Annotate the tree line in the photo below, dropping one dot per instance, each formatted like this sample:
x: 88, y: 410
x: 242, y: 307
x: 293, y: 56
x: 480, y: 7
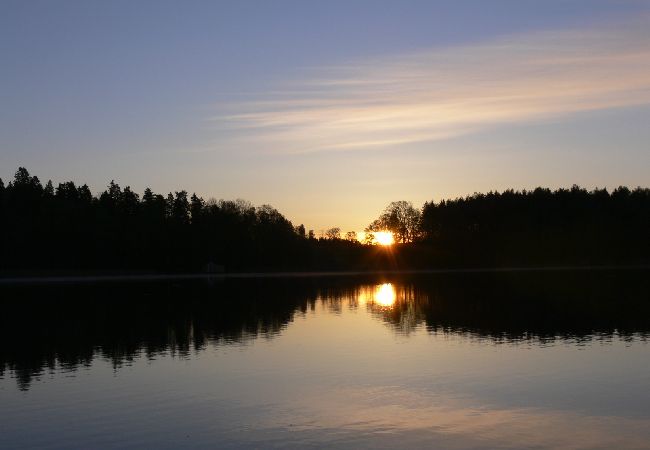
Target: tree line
x: 564, y: 226
x: 47, y: 228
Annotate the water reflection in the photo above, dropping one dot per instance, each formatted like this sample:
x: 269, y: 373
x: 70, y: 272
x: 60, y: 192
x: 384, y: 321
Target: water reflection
x: 384, y: 296
x: 48, y: 328
x: 456, y: 361
x: 399, y: 305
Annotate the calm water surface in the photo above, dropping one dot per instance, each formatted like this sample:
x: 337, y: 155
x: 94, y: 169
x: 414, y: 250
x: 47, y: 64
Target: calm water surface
x: 480, y: 361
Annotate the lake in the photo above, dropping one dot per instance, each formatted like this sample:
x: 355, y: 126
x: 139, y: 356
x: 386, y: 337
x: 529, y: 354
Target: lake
x: 557, y: 359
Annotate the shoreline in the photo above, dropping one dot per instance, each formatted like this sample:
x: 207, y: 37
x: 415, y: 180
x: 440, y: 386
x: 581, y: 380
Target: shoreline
x: 99, y: 278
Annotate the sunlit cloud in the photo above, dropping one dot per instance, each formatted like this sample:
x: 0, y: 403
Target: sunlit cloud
x: 443, y: 93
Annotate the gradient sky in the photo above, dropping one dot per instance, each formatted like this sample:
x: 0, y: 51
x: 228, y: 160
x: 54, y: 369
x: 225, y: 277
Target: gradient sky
x: 327, y: 110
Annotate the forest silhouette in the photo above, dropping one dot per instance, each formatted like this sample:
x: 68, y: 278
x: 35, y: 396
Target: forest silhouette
x: 66, y: 229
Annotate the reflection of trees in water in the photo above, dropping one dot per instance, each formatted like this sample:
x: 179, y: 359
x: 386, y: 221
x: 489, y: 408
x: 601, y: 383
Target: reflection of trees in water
x: 64, y: 327
x: 540, y: 307
x: 49, y: 328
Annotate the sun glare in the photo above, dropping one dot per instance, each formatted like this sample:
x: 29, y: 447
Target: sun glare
x: 385, y: 295
x: 384, y: 238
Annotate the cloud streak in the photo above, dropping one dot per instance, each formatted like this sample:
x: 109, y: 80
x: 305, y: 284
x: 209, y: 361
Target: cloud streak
x: 443, y: 93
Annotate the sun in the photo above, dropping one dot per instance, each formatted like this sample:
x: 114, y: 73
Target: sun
x: 384, y: 238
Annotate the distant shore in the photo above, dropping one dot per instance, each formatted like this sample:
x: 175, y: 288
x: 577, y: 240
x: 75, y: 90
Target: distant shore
x: 126, y: 277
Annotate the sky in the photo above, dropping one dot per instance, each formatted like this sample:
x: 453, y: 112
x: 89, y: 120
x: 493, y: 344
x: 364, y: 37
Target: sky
x: 330, y: 110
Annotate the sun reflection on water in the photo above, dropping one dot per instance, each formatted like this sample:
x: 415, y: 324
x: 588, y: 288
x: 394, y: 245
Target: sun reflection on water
x: 396, y: 304
x: 385, y: 295
x: 382, y: 296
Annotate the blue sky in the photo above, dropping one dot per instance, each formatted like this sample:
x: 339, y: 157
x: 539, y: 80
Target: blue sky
x: 327, y: 110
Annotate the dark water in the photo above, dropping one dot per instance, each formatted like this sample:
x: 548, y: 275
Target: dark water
x: 509, y: 360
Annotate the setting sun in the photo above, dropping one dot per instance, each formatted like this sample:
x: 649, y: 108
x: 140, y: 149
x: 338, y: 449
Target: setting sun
x: 384, y: 238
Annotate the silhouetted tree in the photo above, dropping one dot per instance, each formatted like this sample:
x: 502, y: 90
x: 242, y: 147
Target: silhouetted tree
x: 153, y: 206
x: 48, y: 191
x: 400, y: 218
x: 196, y: 208
x: 300, y: 230
x: 333, y: 233
x: 180, y: 208
x: 351, y: 236
x: 129, y: 202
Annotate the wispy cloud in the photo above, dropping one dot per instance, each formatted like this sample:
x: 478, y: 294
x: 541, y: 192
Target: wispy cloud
x: 443, y: 93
